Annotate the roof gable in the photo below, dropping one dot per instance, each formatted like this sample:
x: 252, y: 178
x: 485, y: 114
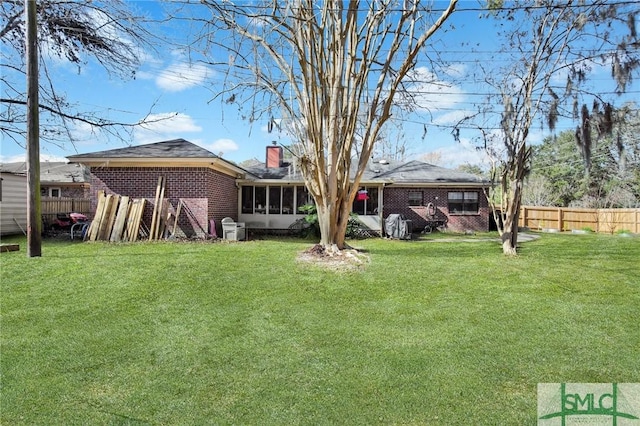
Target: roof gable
x: 176, y: 148
x: 172, y: 153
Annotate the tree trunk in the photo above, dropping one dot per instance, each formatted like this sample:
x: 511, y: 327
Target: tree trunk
x: 512, y: 181
x: 507, y: 235
x: 332, y: 220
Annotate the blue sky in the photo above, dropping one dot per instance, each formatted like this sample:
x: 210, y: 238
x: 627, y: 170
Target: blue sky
x: 168, y: 86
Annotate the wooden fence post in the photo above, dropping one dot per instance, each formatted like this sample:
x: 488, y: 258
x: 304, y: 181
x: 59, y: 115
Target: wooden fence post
x: 560, y: 225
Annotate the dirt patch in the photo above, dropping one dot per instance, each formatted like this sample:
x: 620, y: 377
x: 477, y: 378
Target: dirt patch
x: 342, y: 260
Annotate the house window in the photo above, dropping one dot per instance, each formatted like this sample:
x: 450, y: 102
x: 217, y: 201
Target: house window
x: 415, y: 198
x: 50, y: 192
x: 366, y: 201
x: 463, y: 202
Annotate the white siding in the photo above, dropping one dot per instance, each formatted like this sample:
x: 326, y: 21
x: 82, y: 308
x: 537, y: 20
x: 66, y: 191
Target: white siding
x: 13, y: 206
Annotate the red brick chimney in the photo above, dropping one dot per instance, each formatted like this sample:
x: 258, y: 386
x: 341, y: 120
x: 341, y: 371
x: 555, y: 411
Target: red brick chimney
x: 274, y: 156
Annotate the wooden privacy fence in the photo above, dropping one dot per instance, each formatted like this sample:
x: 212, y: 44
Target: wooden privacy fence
x: 65, y: 205
x: 568, y: 219
x: 51, y: 207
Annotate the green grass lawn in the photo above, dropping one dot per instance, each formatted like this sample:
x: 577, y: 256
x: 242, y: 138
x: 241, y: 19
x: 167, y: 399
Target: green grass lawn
x: 242, y: 333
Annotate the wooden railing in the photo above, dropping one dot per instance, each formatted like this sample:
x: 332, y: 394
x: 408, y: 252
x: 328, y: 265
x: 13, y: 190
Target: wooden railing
x: 567, y: 219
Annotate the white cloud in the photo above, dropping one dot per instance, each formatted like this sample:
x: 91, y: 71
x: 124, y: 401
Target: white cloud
x: 165, y: 126
x: 456, y: 70
x: 18, y: 158
x: 221, y: 146
x: 455, y: 156
x: 536, y: 137
x: 452, y: 117
x: 13, y: 158
x: 181, y: 76
x: 53, y: 158
x: 464, y: 152
x: 428, y: 93
x: 84, y: 134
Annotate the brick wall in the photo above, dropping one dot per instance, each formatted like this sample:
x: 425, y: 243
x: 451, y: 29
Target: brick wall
x: 396, y: 200
x: 206, y: 193
x: 223, y: 199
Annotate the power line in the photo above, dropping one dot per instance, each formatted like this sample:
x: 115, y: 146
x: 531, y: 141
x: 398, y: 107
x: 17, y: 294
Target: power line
x: 560, y: 5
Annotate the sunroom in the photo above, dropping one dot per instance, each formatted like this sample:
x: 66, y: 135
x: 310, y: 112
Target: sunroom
x: 276, y: 205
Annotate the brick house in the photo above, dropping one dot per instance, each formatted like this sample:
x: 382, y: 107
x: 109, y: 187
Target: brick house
x: 267, y: 195
x: 204, y: 182
x: 387, y: 187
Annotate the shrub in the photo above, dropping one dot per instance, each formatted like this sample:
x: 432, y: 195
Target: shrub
x: 309, y: 225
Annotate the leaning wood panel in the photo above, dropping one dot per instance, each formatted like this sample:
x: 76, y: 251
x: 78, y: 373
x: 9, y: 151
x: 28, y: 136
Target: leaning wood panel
x: 177, y: 215
x: 165, y: 214
x: 133, y: 212
x: 121, y: 216
x: 156, y: 207
x: 97, y: 218
x: 111, y: 204
x: 135, y: 217
x: 115, y: 201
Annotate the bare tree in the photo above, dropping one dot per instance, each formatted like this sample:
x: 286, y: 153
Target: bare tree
x: 551, y: 47
x: 323, y: 65
x: 434, y: 157
x: 537, y: 191
x: 108, y: 31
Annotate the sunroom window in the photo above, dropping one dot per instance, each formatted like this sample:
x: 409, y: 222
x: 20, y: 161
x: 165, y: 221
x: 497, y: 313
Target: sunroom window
x: 366, y: 201
x: 273, y: 199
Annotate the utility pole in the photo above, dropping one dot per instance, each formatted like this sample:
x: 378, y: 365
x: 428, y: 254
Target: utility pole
x: 34, y: 209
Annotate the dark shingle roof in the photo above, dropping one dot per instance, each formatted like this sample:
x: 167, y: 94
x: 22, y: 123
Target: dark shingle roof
x: 417, y: 172
x: 381, y: 171
x: 287, y: 173
x: 176, y: 148
x: 52, y: 171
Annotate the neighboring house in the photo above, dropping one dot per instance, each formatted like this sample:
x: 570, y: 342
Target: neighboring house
x: 267, y: 195
x: 57, y: 179
x: 13, y: 203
